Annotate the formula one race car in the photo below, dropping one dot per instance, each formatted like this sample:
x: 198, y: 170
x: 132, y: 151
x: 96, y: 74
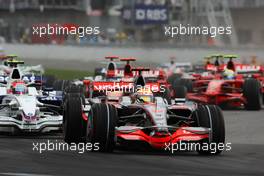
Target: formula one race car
x: 29, y: 74
x: 140, y: 118
x: 229, y: 93
x: 24, y: 108
x: 114, y: 73
x: 111, y: 66
x: 227, y: 84
x: 26, y: 73
x: 124, y: 78
x: 11, y: 61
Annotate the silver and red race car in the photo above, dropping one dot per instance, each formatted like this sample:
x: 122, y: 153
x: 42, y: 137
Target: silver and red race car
x: 131, y: 119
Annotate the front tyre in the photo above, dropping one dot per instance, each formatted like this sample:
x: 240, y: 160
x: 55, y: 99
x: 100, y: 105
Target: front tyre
x: 180, y: 92
x: 210, y: 116
x: 73, y: 124
x: 101, y: 127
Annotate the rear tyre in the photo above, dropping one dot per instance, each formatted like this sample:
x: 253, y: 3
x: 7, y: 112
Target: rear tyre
x: 184, y: 82
x: 74, y: 90
x: 180, y: 91
x: 58, y: 84
x: 61, y: 85
x: 101, y: 127
x: 210, y: 116
x: 73, y: 124
x: 252, y: 93
x: 173, y: 77
x: 166, y: 95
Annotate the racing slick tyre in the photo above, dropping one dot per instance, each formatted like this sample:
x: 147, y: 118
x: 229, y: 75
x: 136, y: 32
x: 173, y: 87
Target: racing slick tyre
x: 74, y: 90
x: 252, y: 93
x: 73, y: 124
x: 173, y: 77
x: 58, y: 84
x: 210, y: 116
x: 184, y: 82
x: 61, y: 85
x: 67, y: 83
x: 101, y: 127
x: 166, y: 95
x: 180, y: 91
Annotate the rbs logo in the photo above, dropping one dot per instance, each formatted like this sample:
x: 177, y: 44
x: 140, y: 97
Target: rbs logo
x: 146, y: 14
x: 151, y: 14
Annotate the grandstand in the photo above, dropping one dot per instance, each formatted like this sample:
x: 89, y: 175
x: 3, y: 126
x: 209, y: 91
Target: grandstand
x: 18, y: 16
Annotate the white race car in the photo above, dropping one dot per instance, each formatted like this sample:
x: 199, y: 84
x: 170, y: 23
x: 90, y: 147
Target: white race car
x: 22, y: 108
x: 9, y: 62
x: 25, y: 108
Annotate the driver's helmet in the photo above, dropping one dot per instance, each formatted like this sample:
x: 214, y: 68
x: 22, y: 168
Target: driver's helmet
x: 19, y: 88
x: 145, y: 95
x: 229, y: 74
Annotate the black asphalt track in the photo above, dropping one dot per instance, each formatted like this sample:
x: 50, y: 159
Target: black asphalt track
x: 244, y: 129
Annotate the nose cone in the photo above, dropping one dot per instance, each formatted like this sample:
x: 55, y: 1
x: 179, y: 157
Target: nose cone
x: 28, y: 105
x: 158, y: 114
x: 214, y: 87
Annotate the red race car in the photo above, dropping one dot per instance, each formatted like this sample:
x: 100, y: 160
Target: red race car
x: 229, y: 93
x: 124, y: 78
x: 227, y: 84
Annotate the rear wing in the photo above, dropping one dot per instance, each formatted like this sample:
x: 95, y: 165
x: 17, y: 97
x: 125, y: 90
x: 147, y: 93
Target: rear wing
x: 128, y: 60
x: 11, y: 57
x: 112, y: 58
x: 230, y: 56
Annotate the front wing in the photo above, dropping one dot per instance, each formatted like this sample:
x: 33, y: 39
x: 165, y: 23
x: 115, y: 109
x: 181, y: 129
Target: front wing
x: 53, y: 122
x: 161, y: 140
x: 230, y: 99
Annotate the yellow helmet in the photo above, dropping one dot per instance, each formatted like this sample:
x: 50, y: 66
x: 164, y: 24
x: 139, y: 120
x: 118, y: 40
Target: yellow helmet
x: 145, y: 95
x: 229, y: 74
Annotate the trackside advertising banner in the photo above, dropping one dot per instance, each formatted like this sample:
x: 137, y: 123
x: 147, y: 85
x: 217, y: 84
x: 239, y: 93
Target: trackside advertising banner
x: 146, y: 14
